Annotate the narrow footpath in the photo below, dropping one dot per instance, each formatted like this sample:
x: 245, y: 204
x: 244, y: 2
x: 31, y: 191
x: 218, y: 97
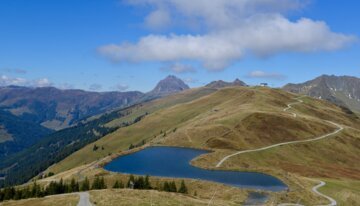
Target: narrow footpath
x: 314, y: 189
x: 84, y: 199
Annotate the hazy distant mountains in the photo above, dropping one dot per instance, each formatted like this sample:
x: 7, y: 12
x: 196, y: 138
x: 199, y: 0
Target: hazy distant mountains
x: 28, y: 114
x: 56, y: 109
x: 341, y: 90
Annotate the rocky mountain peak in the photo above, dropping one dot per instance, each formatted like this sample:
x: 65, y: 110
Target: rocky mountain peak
x: 170, y: 85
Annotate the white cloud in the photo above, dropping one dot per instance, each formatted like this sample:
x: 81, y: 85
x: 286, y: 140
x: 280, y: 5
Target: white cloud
x: 234, y: 29
x: 44, y: 82
x: 190, y: 80
x: 158, y: 19
x: 95, y: 87
x: 179, y: 68
x: 265, y: 75
x: 121, y: 87
x: 16, y: 81
x: 217, y: 13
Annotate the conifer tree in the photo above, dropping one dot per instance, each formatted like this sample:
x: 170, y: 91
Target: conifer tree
x: 116, y: 185
x: 166, y: 187
x: 147, y: 183
x: 172, y: 187
x: 183, y: 188
x: 96, y: 184
x: 85, y: 186
x: 102, y: 184
x: 74, y: 186
x: 18, y: 194
x: 139, y: 183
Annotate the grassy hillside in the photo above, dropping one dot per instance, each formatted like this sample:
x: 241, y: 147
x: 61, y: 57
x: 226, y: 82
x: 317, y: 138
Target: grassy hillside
x: 131, y: 197
x: 68, y: 200
x: 232, y: 118
x: 239, y: 118
x: 135, y: 133
x: 345, y: 191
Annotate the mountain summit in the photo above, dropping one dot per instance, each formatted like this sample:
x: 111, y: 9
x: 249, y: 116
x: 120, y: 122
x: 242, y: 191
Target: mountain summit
x: 341, y: 90
x: 170, y: 85
x: 220, y: 84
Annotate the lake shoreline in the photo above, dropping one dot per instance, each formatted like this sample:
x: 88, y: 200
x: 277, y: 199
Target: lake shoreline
x: 210, y: 172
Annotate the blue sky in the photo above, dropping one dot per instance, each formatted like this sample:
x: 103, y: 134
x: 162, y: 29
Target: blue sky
x: 92, y: 44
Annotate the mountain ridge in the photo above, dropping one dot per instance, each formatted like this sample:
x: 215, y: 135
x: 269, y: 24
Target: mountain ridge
x: 221, y: 84
x: 340, y: 90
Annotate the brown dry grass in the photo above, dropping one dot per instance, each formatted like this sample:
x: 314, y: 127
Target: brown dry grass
x: 59, y: 200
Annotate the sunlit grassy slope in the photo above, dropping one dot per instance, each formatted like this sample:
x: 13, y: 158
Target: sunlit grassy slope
x: 229, y: 119
x: 345, y: 191
x: 59, y: 200
x: 239, y: 118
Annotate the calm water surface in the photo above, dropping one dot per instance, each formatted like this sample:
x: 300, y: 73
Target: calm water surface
x: 175, y: 162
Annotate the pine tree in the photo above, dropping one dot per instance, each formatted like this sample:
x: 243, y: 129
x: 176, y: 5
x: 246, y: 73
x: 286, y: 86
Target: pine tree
x: 26, y: 193
x: 1, y: 195
x: 139, y: 183
x: 36, y: 190
x: 102, y: 184
x: 116, y: 185
x: 183, y: 188
x: 96, y: 184
x: 173, y: 187
x: 166, y: 187
x: 85, y: 185
x: 147, y: 183
x: 18, y: 194
x: 131, y: 146
x: 9, y: 193
x: 61, y: 188
x: 74, y: 186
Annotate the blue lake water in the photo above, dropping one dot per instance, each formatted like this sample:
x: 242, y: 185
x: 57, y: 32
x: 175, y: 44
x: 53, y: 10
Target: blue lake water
x: 175, y: 162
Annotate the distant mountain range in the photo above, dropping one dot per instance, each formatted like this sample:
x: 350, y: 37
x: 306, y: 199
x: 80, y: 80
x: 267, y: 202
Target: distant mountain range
x: 57, y: 109
x: 341, y: 90
x: 28, y: 114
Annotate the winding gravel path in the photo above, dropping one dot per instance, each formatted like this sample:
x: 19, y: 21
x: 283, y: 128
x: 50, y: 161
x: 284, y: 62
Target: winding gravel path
x: 314, y: 189
x: 84, y: 199
x: 339, y: 129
